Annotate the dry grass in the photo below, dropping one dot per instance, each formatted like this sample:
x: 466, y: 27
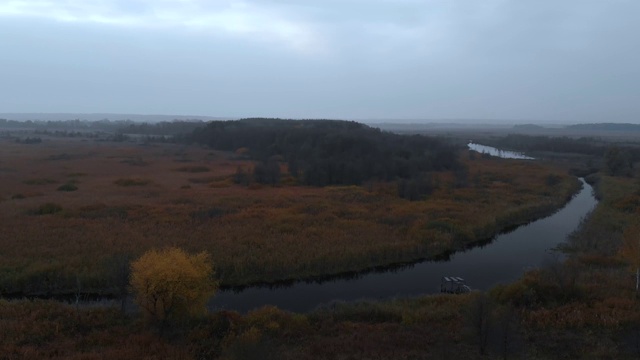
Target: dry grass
x: 582, y: 309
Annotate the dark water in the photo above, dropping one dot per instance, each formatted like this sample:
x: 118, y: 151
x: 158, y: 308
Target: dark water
x: 497, y: 152
x: 501, y: 261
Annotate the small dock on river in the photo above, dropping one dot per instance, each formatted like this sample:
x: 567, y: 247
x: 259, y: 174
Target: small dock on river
x: 453, y: 285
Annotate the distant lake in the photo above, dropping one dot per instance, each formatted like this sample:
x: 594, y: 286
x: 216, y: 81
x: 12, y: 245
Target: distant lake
x: 497, y: 152
x: 502, y: 260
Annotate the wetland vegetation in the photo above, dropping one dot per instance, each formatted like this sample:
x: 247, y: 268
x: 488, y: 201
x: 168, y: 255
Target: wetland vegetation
x: 251, y: 204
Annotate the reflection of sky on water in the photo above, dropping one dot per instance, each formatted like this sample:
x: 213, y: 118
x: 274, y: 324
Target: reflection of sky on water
x: 502, y: 261
x: 497, y: 152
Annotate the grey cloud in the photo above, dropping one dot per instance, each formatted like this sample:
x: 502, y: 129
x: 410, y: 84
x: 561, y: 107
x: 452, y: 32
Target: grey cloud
x: 548, y: 60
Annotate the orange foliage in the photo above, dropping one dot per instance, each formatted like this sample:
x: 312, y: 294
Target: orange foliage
x: 171, y: 284
x: 49, y: 330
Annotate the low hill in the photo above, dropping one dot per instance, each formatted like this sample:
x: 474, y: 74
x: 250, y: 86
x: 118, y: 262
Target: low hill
x: 328, y: 152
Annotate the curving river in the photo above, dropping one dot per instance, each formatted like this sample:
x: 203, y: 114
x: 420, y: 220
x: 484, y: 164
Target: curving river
x: 502, y: 260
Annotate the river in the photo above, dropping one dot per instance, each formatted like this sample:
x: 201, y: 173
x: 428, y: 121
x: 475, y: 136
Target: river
x: 497, y: 152
x: 502, y: 260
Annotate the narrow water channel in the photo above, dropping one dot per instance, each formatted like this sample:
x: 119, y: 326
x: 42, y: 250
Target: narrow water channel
x: 483, y: 149
x: 503, y: 260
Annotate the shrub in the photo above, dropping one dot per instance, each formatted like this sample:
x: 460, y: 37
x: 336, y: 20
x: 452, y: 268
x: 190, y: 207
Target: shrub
x: 68, y: 187
x: 63, y: 156
x: 553, y: 180
x: 135, y: 162
x: 100, y: 211
x: 42, y: 181
x: 132, y: 182
x: 221, y: 184
x: 369, y: 312
x: 211, y: 213
x: 171, y: 284
x: 193, y: 169
x: 46, y: 209
x: 203, y: 180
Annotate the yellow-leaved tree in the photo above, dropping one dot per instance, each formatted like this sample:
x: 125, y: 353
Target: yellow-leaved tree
x: 630, y: 250
x: 170, y: 284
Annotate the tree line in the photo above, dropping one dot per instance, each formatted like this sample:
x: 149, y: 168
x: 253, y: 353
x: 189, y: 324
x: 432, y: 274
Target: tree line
x: 528, y: 143
x: 618, y: 159
x: 329, y: 152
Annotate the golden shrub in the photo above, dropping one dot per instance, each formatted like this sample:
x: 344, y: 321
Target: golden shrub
x: 170, y: 284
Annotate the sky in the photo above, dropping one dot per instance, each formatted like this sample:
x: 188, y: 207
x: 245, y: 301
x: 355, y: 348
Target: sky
x: 517, y: 60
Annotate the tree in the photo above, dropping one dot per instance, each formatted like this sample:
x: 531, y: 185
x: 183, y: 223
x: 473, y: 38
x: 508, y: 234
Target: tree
x: 241, y: 177
x: 267, y: 172
x: 121, y: 272
x: 618, y: 161
x: 170, y: 284
x: 480, y: 318
x: 630, y: 250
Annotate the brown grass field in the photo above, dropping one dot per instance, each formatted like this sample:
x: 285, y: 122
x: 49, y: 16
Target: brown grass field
x: 130, y: 198
x: 585, y: 307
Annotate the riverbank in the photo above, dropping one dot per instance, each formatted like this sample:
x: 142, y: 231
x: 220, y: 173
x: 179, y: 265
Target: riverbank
x: 502, y: 260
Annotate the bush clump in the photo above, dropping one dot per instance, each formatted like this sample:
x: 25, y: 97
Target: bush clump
x: 171, y: 284
x: 40, y: 181
x: 135, y: 162
x: 46, y: 209
x: 67, y: 187
x: 193, y: 169
x: 132, y: 182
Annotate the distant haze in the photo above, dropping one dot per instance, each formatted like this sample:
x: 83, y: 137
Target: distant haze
x: 570, y: 61
x: 104, y: 116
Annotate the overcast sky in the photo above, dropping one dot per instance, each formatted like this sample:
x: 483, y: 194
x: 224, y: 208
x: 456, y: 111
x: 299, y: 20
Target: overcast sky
x: 545, y: 60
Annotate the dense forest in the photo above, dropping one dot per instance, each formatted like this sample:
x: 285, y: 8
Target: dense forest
x: 329, y: 152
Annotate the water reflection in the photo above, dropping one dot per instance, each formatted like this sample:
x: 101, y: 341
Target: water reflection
x: 501, y: 261
x: 497, y: 152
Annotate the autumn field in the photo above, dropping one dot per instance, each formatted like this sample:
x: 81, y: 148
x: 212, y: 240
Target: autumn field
x: 583, y: 308
x: 75, y: 212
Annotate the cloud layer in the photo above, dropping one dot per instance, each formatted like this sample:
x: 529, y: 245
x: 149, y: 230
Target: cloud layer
x: 222, y: 18
x: 547, y: 60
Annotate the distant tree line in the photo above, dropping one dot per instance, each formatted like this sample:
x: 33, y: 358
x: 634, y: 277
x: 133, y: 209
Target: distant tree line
x: 69, y: 133
x: 605, y: 127
x: 175, y: 127
x: 162, y: 128
x: 76, y: 124
x: 331, y: 152
x: 107, y: 130
x: 29, y: 140
x: 618, y: 160
x: 528, y: 143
